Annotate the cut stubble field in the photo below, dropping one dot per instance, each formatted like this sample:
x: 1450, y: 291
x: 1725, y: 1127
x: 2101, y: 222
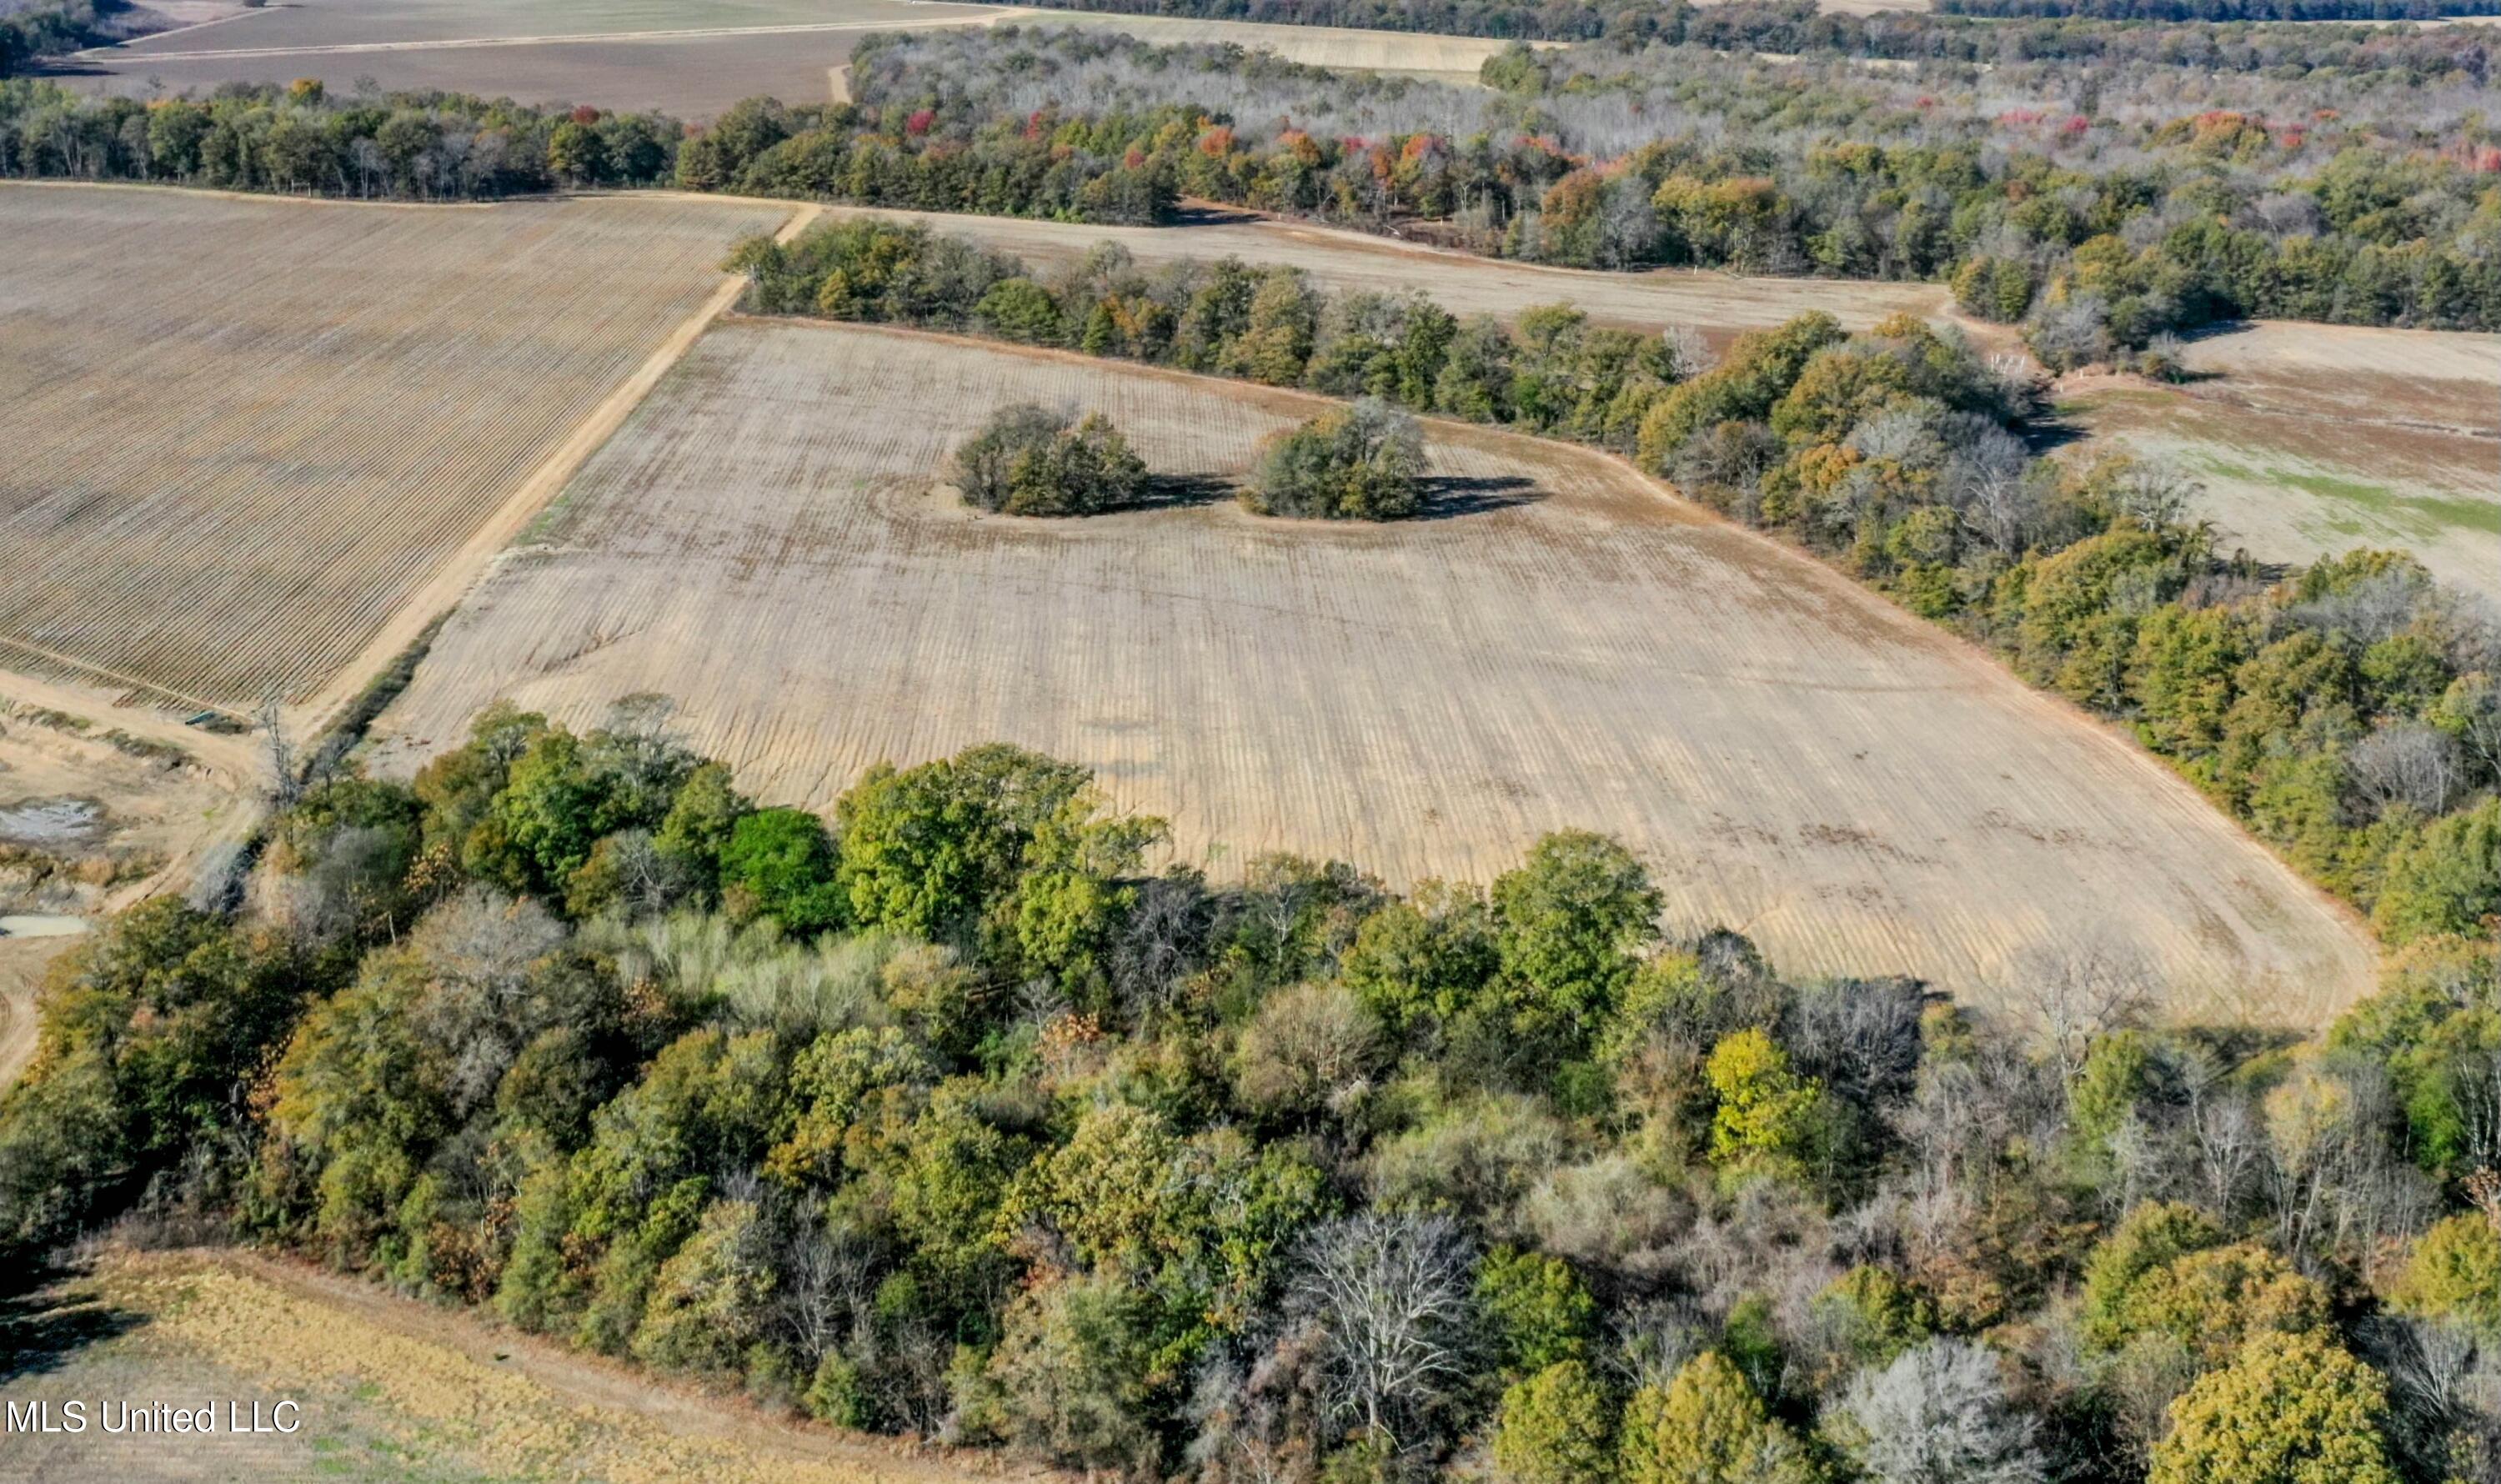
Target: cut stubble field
x: 2310, y: 439
x: 243, y: 435
x: 689, y: 59
x: 1560, y: 642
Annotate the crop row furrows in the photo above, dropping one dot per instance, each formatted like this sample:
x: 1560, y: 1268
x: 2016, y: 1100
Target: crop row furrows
x: 246, y: 434
x: 1798, y: 759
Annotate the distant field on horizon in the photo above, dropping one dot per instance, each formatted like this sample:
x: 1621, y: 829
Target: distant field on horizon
x: 1566, y: 646
x: 688, y: 59
x: 2316, y: 438
x: 242, y: 434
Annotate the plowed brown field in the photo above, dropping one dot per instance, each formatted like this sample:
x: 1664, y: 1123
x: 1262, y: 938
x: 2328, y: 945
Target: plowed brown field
x: 242, y: 434
x: 1561, y: 642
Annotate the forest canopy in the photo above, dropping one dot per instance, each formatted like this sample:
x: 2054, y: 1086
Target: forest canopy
x: 952, y: 1114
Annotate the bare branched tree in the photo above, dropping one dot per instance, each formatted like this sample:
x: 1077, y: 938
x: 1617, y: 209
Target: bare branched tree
x: 285, y: 783
x: 1939, y: 1415
x: 2410, y: 764
x: 1389, y: 1298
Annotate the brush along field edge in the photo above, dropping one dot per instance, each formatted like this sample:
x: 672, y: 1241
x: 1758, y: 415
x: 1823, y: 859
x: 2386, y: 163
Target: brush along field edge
x: 1567, y: 645
x: 455, y: 578
x: 381, y: 1381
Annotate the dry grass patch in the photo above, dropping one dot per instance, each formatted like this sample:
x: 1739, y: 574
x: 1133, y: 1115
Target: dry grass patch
x: 390, y: 1389
x: 242, y: 434
x: 1560, y: 644
x: 1720, y: 304
x: 2313, y: 439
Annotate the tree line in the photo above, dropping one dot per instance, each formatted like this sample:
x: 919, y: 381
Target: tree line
x: 2347, y: 713
x: 2226, y: 10
x: 946, y: 1114
x: 2096, y: 232
x: 302, y: 139
x: 31, y: 32
x: 2229, y: 40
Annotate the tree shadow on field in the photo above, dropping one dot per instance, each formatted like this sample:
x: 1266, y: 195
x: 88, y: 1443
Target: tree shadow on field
x: 1183, y: 491
x: 48, y: 1315
x: 1447, y: 497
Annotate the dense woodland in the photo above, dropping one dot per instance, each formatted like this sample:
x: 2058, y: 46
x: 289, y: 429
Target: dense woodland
x: 1591, y: 19
x: 301, y: 139
x: 2347, y: 713
x: 948, y: 1116
x: 2100, y: 221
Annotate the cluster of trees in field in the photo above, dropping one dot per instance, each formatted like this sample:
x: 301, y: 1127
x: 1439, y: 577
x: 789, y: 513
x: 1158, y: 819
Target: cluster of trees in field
x: 947, y: 1116
x: 2348, y: 714
x: 1363, y: 463
x: 302, y: 139
x: 1033, y: 460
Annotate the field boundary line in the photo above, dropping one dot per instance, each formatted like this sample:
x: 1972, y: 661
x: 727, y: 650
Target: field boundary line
x: 454, y: 577
x: 289, y: 198
x: 196, y: 25
x: 89, y: 667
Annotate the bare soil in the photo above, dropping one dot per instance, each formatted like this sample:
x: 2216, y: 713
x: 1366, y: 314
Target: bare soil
x: 1560, y: 642
x: 693, y: 60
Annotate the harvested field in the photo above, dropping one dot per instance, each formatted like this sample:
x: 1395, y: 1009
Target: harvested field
x: 388, y: 1389
x: 2308, y: 438
x: 2312, y: 438
x: 693, y: 60
x: 1719, y: 303
x: 320, y: 24
x: 1560, y: 643
x: 690, y: 77
x: 1445, y: 58
x: 244, y: 438
x: 690, y: 61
